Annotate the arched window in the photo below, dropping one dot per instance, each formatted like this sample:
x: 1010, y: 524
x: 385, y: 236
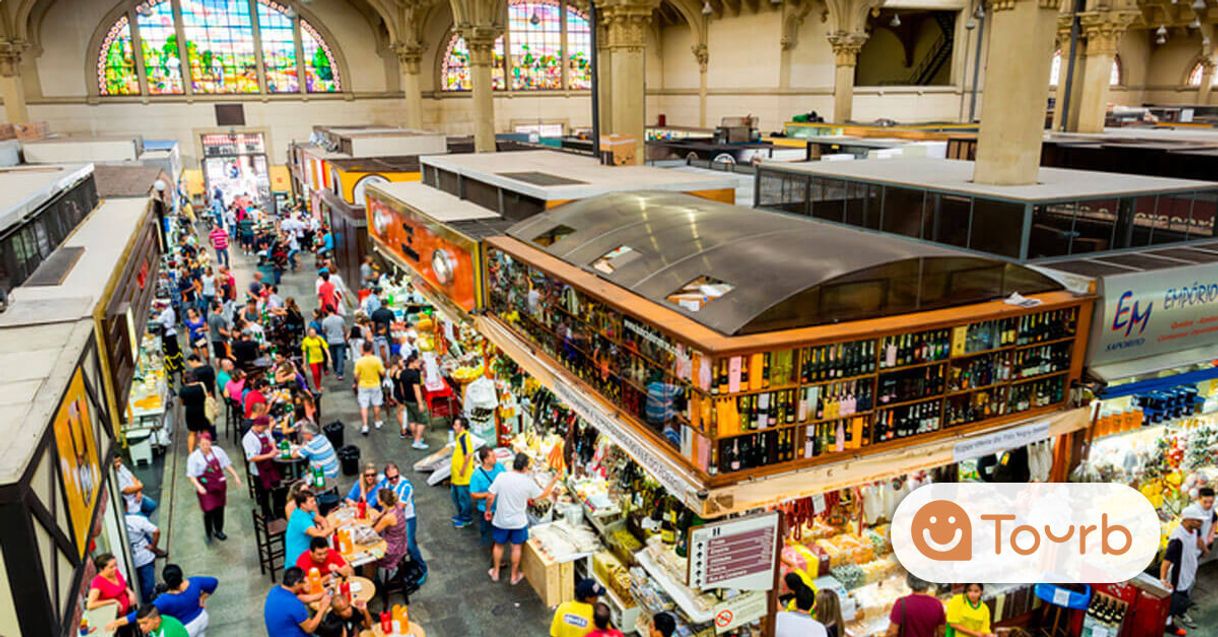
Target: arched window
x: 536, y: 58
x: 1194, y: 76
x: 233, y: 47
x: 1055, y: 71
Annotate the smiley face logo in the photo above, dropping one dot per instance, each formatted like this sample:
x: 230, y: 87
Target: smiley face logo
x: 941, y: 530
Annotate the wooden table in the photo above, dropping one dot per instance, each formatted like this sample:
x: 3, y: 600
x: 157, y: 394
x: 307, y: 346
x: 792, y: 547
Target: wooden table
x: 362, y: 553
x: 362, y: 589
x: 292, y: 467
x: 415, y: 630
x: 98, y: 619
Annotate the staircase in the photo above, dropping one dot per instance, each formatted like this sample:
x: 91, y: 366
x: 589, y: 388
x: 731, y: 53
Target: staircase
x: 940, y: 53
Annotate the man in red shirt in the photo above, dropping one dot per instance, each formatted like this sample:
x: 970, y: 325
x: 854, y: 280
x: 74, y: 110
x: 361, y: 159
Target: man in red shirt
x: 327, y: 294
x: 323, y: 558
x: 255, y: 396
x: 219, y: 241
x: 602, y: 620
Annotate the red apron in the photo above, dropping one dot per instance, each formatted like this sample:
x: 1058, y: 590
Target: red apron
x: 268, y: 473
x: 214, y: 484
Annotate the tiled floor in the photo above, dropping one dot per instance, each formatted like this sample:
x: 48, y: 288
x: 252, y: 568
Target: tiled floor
x: 458, y: 599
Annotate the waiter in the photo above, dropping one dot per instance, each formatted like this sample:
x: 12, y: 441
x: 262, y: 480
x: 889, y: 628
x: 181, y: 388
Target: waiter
x: 260, y: 451
x: 205, y: 468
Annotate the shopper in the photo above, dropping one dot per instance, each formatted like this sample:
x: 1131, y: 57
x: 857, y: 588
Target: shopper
x: 462, y: 470
x: 663, y: 625
x: 799, y: 622
x: 285, y: 615
x: 304, y: 524
x: 219, y: 243
x: 132, y: 488
x: 327, y: 293
x: 393, y: 527
x: 967, y: 615
x: 574, y: 618
x: 382, y: 328
x: 602, y: 619
x: 488, y: 469
x: 143, y: 537
x: 404, y: 490
x: 326, y: 560
x: 369, y: 370
x: 829, y: 613
x: 219, y: 329
x: 334, y: 328
x: 196, y: 330
x: 1205, y: 500
x: 194, y: 404
x: 507, y: 507
x: 316, y: 355
x: 918, y: 614
x: 317, y: 450
x: 408, y: 391
x: 368, y: 272
x: 153, y: 624
x: 1178, y: 571
x: 183, y: 599
x: 205, y: 469
x: 109, y: 586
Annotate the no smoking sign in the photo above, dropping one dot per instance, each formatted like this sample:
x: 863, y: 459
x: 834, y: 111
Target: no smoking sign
x: 724, y: 618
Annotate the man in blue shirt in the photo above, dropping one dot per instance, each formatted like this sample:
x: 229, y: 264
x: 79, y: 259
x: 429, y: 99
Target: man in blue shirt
x: 479, y: 487
x: 402, y: 488
x: 304, y: 525
x: 318, y: 451
x: 285, y: 615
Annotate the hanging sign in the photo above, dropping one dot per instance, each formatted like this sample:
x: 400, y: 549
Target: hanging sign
x: 1148, y: 313
x: 739, y: 553
x: 980, y: 446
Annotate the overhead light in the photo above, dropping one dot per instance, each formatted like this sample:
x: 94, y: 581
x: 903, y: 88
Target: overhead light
x: 706, y: 8
x: 1161, y: 40
x: 980, y: 12
x: 776, y: 2
x: 1195, y: 24
x: 1161, y: 31
x: 1198, y: 5
x: 896, y: 21
x: 971, y: 24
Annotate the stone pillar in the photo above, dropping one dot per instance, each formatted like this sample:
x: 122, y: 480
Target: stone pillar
x: 11, y: 88
x: 703, y: 56
x: 846, y: 46
x: 481, y: 43
x: 604, y: 75
x: 626, y: 23
x: 1064, y: 23
x: 1103, y: 30
x: 1208, y: 65
x: 1013, y: 112
x: 409, y: 56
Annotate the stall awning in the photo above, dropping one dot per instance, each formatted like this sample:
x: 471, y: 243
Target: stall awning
x: 1148, y: 371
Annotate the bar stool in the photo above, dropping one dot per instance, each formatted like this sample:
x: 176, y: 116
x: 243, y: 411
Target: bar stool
x: 272, y: 547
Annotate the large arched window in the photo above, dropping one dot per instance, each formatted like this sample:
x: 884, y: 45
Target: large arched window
x: 1194, y: 76
x: 233, y: 47
x: 547, y: 46
x: 1055, y: 71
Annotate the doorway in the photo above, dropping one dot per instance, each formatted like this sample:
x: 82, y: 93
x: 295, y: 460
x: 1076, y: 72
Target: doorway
x: 236, y: 164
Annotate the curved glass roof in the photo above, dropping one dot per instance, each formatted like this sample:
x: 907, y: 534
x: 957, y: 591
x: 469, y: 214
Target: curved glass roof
x: 759, y: 271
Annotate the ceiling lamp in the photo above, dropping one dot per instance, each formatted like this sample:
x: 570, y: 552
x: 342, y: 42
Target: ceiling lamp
x: 980, y: 12
x: 895, y: 22
x: 1195, y: 24
x: 1198, y: 5
x: 970, y: 24
x: 535, y: 19
x: 776, y: 2
x: 706, y: 8
x: 1161, y: 31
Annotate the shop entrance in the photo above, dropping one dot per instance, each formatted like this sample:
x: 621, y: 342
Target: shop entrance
x: 236, y: 163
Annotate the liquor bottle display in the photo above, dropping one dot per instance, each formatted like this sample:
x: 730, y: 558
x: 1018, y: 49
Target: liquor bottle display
x: 912, y: 349
x: 840, y: 360
x: 911, y: 384
x: 1039, y: 360
x: 979, y: 371
x: 908, y: 420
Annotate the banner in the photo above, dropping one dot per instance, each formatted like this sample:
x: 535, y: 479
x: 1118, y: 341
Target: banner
x: 1148, y: 313
x: 79, y: 467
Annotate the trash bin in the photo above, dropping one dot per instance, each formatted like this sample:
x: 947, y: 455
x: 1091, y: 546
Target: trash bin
x: 334, y: 433
x: 348, y: 457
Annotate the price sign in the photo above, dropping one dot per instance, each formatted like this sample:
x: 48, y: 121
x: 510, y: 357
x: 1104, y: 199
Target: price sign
x: 739, y: 610
x: 739, y: 553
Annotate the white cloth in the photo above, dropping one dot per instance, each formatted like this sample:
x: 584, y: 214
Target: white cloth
x: 167, y: 318
x: 1188, y: 557
x: 1207, y: 523
x: 198, y: 626
x: 795, y: 624
x: 196, y: 463
x: 513, y: 490
x: 252, y: 444
x: 139, y: 535
x: 127, y: 479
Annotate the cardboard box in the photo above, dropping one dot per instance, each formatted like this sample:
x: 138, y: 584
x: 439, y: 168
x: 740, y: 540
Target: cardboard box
x: 619, y: 150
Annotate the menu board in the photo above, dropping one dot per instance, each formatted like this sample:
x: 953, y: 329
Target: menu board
x: 741, y: 553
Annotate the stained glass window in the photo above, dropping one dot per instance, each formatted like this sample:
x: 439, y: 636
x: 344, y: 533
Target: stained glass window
x: 536, y: 37
x: 579, y: 50
x: 159, y: 45
x: 224, y: 39
x: 456, y: 74
x: 1055, y: 70
x: 321, y: 73
x: 116, y: 66
x: 278, y: 35
x: 536, y: 61
x: 1194, y: 76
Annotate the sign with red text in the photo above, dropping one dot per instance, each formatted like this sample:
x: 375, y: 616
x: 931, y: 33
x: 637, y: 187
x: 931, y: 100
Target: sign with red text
x: 740, y: 553
x: 1158, y: 312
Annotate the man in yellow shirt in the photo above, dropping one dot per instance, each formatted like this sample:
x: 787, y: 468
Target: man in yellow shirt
x: 369, y: 370
x: 462, y: 471
x: 574, y: 618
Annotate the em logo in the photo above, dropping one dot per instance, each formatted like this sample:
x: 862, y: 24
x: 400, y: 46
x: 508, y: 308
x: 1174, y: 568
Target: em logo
x: 1016, y: 533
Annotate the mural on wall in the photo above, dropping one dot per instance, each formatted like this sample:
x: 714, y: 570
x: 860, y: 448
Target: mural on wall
x: 79, y: 465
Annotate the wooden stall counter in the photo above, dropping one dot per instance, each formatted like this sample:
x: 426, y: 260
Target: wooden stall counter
x: 554, y: 581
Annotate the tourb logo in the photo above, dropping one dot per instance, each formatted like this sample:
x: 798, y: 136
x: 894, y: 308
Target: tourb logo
x: 942, y: 531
